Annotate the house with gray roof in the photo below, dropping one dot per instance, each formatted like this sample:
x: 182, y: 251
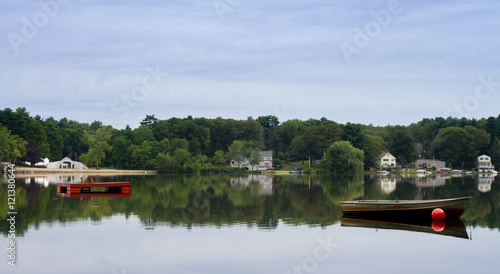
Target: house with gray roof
x: 266, y: 162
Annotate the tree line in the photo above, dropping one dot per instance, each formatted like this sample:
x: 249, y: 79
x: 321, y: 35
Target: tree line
x: 197, y: 144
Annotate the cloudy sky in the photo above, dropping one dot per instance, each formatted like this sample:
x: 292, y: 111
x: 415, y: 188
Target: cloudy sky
x: 380, y: 62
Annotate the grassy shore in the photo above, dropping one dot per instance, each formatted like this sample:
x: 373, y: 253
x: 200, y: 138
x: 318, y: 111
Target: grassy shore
x: 90, y: 171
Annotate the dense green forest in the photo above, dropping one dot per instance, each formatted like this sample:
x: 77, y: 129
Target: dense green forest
x: 197, y: 144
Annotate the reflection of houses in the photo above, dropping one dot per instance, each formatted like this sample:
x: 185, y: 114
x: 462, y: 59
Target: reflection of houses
x: 484, y: 164
x: 265, y: 182
x: 427, y: 182
x: 266, y: 162
x: 386, y: 160
x: 429, y: 163
x: 484, y: 182
x: 388, y: 184
x: 37, y: 180
x: 54, y: 179
x: 66, y: 163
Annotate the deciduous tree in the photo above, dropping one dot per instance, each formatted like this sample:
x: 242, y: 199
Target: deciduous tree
x: 342, y: 156
x: 12, y: 146
x: 402, y: 145
x: 99, y: 144
x: 33, y: 154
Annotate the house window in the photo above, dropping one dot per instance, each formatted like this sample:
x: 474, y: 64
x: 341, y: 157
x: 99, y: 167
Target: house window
x: 386, y: 160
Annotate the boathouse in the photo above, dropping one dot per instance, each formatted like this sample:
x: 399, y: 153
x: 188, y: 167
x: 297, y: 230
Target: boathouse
x: 66, y: 163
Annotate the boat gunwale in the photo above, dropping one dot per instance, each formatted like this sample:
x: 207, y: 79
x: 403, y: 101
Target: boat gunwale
x: 405, y: 202
x: 455, y: 206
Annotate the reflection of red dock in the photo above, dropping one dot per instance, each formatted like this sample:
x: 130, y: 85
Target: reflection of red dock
x: 93, y: 195
x: 108, y: 189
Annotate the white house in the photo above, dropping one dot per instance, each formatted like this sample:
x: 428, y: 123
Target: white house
x: 45, y: 162
x: 266, y: 162
x: 484, y: 164
x: 66, y: 163
x: 386, y: 160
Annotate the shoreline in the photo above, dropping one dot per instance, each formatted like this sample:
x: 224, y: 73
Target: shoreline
x: 30, y: 171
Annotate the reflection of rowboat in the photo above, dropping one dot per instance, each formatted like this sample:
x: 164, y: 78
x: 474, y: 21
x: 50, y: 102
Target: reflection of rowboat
x: 453, y: 208
x: 454, y: 227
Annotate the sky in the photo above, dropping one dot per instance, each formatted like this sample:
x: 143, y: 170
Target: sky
x: 370, y: 62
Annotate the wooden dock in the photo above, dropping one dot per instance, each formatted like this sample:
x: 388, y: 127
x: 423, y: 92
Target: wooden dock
x: 94, y: 188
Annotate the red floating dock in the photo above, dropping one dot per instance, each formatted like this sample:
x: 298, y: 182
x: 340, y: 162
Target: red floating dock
x: 93, y: 188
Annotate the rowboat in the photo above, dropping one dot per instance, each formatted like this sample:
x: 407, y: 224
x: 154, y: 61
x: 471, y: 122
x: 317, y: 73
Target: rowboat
x: 453, y: 208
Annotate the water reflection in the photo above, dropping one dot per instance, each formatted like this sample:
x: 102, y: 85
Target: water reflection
x: 453, y: 227
x: 55, y: 179
x: 265, y: 183
x: 388, y: 184
x: 485, y: 181
x: 255, y: 200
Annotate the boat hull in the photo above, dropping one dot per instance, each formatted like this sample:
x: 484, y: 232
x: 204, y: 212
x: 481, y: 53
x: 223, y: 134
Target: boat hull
x: 453, y: 208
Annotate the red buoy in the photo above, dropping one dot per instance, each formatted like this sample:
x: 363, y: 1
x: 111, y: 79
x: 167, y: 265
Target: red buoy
x: 438, y: 214
x: 438, y: 226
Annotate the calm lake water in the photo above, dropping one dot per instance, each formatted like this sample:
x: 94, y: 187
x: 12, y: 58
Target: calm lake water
x: 246, y: 224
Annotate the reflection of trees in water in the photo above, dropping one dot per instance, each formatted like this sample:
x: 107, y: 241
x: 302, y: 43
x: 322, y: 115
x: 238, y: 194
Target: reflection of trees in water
x: 308, y: 204
x: 213, y: 200
x: 478, y: 212
x: 344, y: 187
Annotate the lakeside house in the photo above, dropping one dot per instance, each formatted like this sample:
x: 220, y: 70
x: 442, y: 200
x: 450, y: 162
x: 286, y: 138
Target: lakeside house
x: 386, y: 160
x: 484, y: 164
x: 266, y: 162
x: 429, y: 163
x: 66, y: 163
